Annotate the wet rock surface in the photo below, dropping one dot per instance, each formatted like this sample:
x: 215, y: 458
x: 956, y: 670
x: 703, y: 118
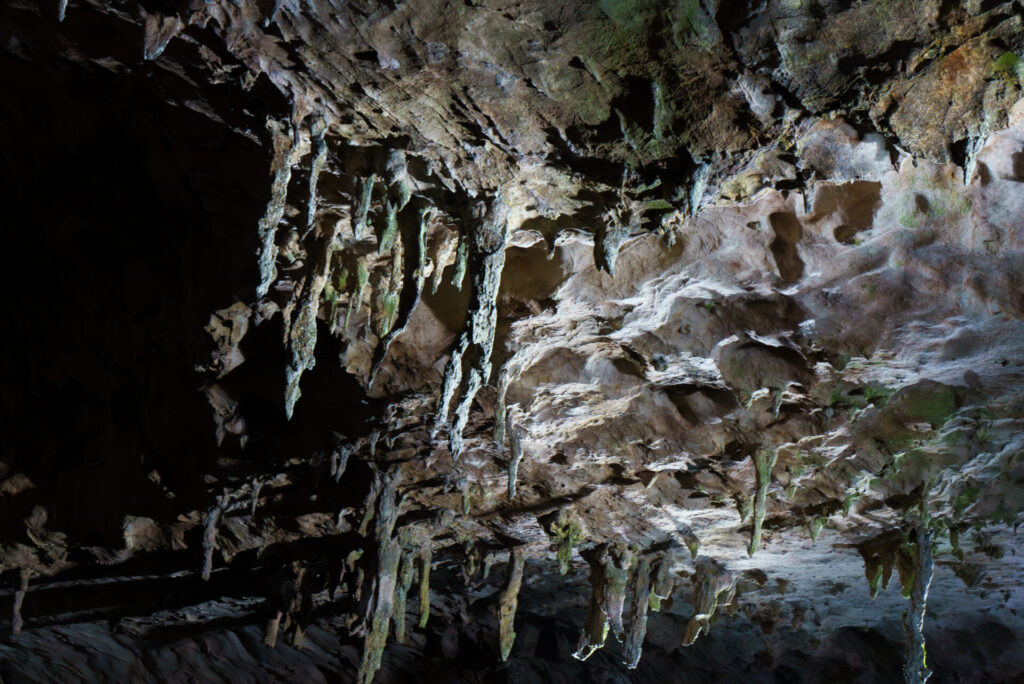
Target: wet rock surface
x: 613, y: 341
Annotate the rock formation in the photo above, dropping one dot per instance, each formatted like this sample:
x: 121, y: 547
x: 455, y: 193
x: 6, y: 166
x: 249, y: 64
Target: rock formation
x: 695, y: 320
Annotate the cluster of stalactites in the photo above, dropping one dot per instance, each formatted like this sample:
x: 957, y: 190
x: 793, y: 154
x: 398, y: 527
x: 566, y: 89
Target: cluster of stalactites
x: 910, y: 553
x: 394, y: 239
x: 884, y: 554
x: 652, y: 583
x: 713, y: 586
x: 388, y: 573
x: 625, y: 585
x: 290, y: 602
x: 401, y: 236
x: 610, y: 566
x: 301, y: 314
x: 286, y: 150
x: 628, y: 214
x: 469, y: 367
x: 613, y: 230
x: 230, y: 501
x: 301, y: 331
x: 405, y: 287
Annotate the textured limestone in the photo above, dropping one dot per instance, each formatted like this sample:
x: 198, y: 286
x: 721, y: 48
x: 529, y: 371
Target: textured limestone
x: 750, y: 274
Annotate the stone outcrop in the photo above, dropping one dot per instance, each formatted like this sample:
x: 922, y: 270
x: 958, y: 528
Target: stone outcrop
x: 698, y: 321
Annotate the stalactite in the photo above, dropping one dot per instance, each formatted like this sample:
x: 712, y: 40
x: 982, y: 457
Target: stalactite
x: 361, y: 210
x: 636, y: 626
x: 764, y: 461
x: 210, y: 524
x: 316, y: 167
x: 915, y: 666
x: 461, y: 262
x: 471, y: 565
x: 406, y: 574
x: 509, y: 601
x: 450, y: 384
x: 383, y: 605
x: 370, y: 505
x: 398, y: 195
x: 405, y: 298
x: 229, y: 501
x: 613, y: 229
x: 668, y: 231
x: 566, y: 533
x: 464, y: 491
x: 878, y: 565
x: 378, y: 603
x: 356, y: 300
x: 158, y: 31
x: 607, y: 242
x: 357, y: 592
x: 477, y: 340
x: 288, y: 310
x: 974, y: 145
x: 426, y: 216
x: 290, y: 601
x: 488, y: 563
x: 387, y: 297
x: 387, y: 237
x: 257, y: 487
x: 302, y: 338
x: 500, y: 412
x: 62, y: 9
x: 332, y: 292
x: 874, y: 573
x: 442, y: 259
x: 348, y: 568
x: 691, y: 541
x: 301, y: 604
x: 710, y: 583
x: 339, y: 460
x: 662, y: 581
x: 595, y: 629
x: 954, y: 542
x: 388, y: 504
x: 273, y: 626
x: 618, y: 561
x: 610, y: 568
x: 425, y: 560
x: 24, y: 574
x: 285, y: 153
x: 815, y: 526
x: 513, y: 462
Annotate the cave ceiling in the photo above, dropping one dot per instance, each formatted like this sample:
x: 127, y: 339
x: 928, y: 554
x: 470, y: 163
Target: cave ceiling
x: 513, y: 341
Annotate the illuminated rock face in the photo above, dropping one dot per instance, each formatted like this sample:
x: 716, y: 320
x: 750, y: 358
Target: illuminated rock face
x: 371, y: 341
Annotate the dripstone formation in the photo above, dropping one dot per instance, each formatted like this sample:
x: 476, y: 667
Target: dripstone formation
x: 458, y: 340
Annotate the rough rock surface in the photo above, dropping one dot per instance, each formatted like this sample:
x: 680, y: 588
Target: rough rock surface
x: 447, y: 341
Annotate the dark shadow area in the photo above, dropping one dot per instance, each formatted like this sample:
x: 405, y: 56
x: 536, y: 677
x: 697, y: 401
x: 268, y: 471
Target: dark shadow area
x: 133, y: 218
x: 132, y: 221
x: 787, y: 234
